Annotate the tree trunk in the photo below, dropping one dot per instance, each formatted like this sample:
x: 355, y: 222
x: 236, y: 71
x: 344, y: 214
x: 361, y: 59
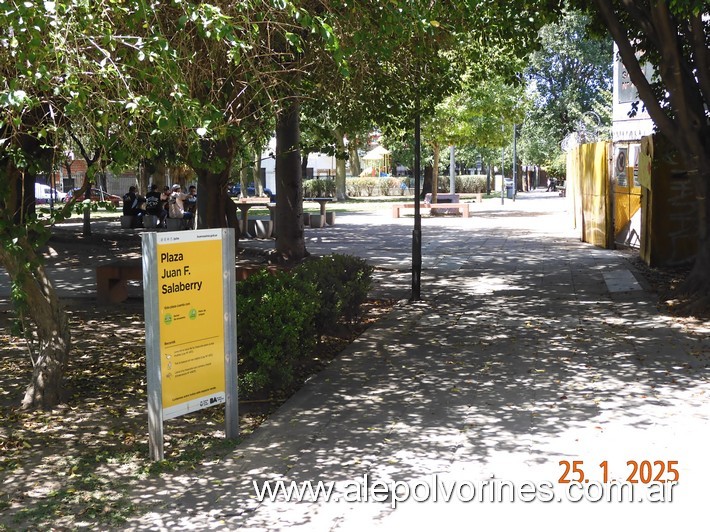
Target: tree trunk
x: 91, y: 174
x: 43, y: 321
x: 230, y: 210
x: 427, y: 183
x: 244, y: 172
x: 181, y: 174
x: 304, y: 164
x: 143, y: 179
x: 212, y: 197
x: 102, y: 180
x: 341, y: 193
x: 340, y: 180
x: 42, y: 310
x: 696, y: 286
x: 290, y: 242
x: 354, y: 158
x: 213, y: 201
x: 159, y: 175
x: 256, y: 169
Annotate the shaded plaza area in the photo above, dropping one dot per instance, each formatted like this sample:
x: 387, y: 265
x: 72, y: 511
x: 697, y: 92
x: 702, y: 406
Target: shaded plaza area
x: 529, y: 350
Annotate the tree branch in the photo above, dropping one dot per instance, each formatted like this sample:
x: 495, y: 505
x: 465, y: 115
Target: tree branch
x: 631, y: 62
x: 679, y: 80
x: 702, y: 61
x: 641, y: 18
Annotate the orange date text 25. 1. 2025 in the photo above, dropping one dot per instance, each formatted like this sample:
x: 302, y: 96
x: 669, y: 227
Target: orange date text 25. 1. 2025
x: 643, y: 471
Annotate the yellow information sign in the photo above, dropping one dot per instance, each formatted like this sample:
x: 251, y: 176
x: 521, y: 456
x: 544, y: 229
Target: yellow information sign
x: 191, y: 310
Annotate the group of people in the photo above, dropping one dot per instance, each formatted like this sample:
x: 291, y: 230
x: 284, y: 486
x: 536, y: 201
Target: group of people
x: 170, y: 203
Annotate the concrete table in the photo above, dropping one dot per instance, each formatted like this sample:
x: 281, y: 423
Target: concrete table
x: 244, y: 206
x: 322, y: 202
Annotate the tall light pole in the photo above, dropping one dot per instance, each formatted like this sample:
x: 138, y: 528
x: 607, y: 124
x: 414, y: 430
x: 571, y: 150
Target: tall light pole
x: 417, y: 232
x: 452, y: 169
x: 515, y: 161
x: 502, y: 165
x: 502, y: 176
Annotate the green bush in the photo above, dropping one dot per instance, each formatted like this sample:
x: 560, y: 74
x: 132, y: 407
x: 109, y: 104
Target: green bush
x: 471, y: 183
x: 275, y: 328
x: 558, y: 167
x: 360, y: 186
x: 465, y: 184
x: 342, y: 283
x: 391, y: 186
x: 352, y: 187
x: 319, y: 188
x: 281, y: 315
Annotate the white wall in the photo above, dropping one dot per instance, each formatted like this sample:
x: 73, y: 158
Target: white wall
x: 322, y: 165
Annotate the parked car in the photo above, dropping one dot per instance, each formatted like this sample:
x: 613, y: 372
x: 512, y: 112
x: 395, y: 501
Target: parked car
x: 43, y: 193
x: 236, y: 189
x: 97, y: 194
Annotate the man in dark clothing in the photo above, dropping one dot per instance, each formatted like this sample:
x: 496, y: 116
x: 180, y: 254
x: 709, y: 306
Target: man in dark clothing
x: 132, y: 203
x: 153, y: 204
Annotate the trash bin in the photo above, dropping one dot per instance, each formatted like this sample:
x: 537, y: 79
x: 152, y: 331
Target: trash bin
x: 509, y: 191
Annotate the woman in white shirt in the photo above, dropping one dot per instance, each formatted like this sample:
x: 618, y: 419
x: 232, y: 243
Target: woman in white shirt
x: 176, y: 204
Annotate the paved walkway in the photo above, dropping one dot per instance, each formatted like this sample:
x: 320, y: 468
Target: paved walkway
x: 528, y: 349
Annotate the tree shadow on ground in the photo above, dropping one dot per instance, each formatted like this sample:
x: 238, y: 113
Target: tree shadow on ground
x: 518, y: 355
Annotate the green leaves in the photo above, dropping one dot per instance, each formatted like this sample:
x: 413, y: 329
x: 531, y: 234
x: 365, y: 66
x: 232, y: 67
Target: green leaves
x: 569, y: 75
x: 13, y: 98
x: 294, y: 40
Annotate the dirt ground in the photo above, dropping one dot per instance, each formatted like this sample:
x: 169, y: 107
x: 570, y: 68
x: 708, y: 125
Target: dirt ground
x: 73, y: 466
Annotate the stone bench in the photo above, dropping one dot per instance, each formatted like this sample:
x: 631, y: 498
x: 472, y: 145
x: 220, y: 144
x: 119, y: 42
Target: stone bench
x: 259, y: 228
x: 462, y: 207
x: 112, y: 280
x: 178, y: 224
x: 131, y: 222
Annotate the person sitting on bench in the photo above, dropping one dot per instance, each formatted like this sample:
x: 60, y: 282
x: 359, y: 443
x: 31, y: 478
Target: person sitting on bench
x: 176, y: 204
x: 153, y: 204
x: 132, y: 204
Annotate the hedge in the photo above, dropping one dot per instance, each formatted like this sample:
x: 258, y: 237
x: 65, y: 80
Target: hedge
x: 281, y: 315
x: 319, y: 188
x: 465, y: 184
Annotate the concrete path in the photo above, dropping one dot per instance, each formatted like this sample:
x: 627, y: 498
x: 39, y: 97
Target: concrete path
x: 529, y: 350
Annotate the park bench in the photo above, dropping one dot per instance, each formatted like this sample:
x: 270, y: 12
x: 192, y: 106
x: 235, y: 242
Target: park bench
x: 112, y: 280
x: 462, y: 207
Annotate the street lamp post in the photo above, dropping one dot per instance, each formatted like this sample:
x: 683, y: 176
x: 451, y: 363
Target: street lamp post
x: 502, y: 176
x: 417, y: 231
x: 502, y: 165
x: 515, y: 161
x: 452, y: 169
